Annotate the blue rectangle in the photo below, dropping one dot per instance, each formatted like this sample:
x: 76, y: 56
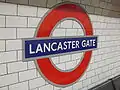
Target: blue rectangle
x: 46, y: 47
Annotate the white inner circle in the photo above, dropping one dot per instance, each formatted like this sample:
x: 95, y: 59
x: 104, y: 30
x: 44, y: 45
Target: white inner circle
x: 67, y: 28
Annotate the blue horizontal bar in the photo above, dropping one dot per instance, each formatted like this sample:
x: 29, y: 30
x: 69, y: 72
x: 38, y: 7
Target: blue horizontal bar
x: 48, y: 47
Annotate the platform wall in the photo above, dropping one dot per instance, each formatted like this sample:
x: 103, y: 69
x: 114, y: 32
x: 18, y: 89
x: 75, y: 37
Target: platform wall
x: 20, y: 21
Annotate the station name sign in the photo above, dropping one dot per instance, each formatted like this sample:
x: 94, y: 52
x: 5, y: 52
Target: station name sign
x: 43, y: 46
x: 54, y: 46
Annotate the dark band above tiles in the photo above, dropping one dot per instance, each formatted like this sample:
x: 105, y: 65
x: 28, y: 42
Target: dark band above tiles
x: 99, y: 7
x: 18, y: 1
x: 41, y: 3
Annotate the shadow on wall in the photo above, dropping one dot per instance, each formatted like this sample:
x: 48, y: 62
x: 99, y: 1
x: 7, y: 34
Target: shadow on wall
x: 110, y: 7
x: 111, y: 84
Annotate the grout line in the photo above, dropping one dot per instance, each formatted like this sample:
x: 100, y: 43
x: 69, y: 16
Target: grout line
x: 5, y: 21
x: 17, y: 11
x: 7, y: 68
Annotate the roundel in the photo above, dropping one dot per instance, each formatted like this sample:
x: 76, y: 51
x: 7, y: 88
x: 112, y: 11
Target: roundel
x: 44, y: 65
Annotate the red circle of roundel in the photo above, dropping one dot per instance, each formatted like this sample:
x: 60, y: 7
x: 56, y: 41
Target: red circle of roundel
x: 44, y: 65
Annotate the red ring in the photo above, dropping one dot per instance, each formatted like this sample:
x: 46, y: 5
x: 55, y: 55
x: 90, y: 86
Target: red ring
x: 53, y: 17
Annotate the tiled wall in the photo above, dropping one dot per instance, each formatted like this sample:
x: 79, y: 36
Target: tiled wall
x: 19, y: 21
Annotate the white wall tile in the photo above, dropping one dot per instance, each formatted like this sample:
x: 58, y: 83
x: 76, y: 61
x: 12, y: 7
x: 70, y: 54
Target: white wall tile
x: 8, y: 9
x: 2, y: 45
x: 55, y: 60
x: 25, y: 32
x: 31, y: 65
x: 93, y: 17
x: 41, y: 12
x: 65, y: 58
x: 98, y: 70
x: 17, y: 66
x: 19, y: 86
x: 96, y: 25
x: 85, y: 88
x: 34, y: 22
x: 8, y: 79
x: 77, y: 25
x: 77, y: 86
x: 71, y: 64
x: 26, y: 75
x: 103, y: 25
x: 16, y: 21
x: 27, y: 10
x: 36, y: 83
x: 95, y: 79
x: 90, y: 73
x: 61, y: 66
x: 19, y: 56
x: 47, y: 87
x: 80, y: 32
x: 101, y: 18
x: 2, y: 21
x: 13, y: 44
x: 67, y: 24
x: 8, y: 56
x: 67, y: 88
x: 56, y: 88
x: 71, y: 32
x: 86, y: 82
x: 7, y: 33
x: 58, y: 32
x: 35, y: 89
x: 3, y: 69
x: 77, y: 56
